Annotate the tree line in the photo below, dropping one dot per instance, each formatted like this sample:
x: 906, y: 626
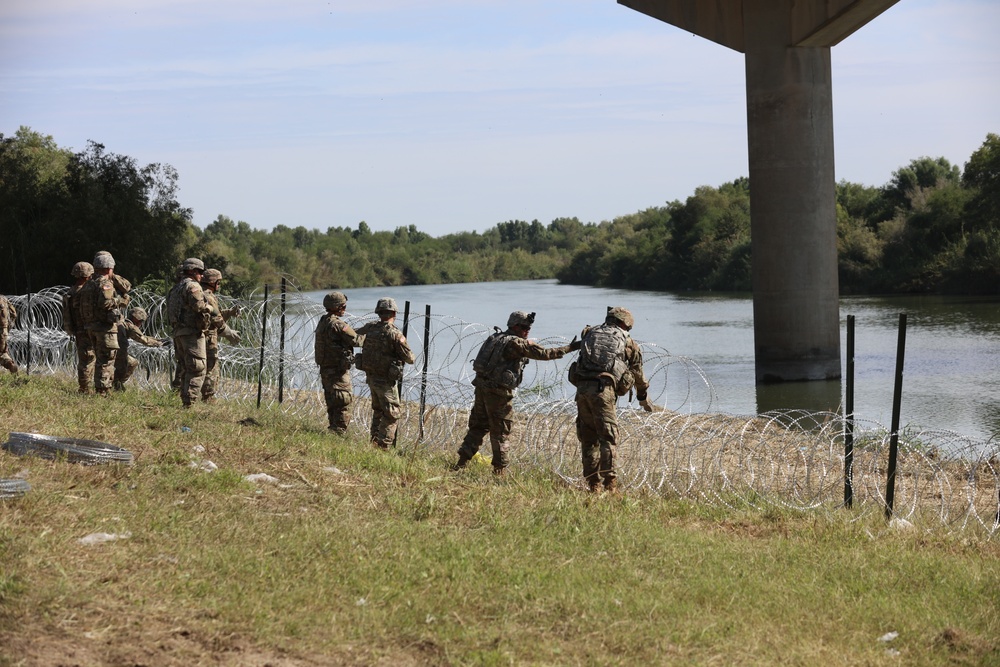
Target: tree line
x: 931, y: 228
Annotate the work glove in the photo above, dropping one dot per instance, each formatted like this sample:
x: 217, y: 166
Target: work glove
x: 232, y: 335
x: 575, y: 344
x: 646, y: 405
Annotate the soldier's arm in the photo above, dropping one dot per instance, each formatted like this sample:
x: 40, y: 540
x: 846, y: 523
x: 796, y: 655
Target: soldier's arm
x: 403, y: 349
x: 526, y: 348
x: 633, y: 355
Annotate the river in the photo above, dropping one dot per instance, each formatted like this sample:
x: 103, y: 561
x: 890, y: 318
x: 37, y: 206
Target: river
x: 951, y: 379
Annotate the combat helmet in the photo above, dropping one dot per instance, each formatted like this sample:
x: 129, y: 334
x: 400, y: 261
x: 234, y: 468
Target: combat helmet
x: 82, y: 270
x: 211, y: 275
x: 619, y: 314
x: 520, y: 318
x: 138, y: 314
x: 103, y: 260
x: 386, y: 304
x: 334, y: 300
x: 193, y: 264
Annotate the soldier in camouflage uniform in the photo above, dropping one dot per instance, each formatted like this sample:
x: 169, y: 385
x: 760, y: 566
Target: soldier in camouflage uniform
x: 131, y: 328
x: 100, y: 309
x: 609, y: 366
x: 217, y: 326
x: 74, y: 325
x: 8, y: 315
x: 499, y: 367
x: 335, y: 343
x: 189, y: 315
x: 384, y: 350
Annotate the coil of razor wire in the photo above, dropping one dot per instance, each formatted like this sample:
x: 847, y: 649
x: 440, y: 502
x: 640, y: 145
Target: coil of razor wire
x: 787, y: 460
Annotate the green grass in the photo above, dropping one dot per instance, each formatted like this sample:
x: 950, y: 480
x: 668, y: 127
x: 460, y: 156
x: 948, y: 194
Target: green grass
x: 398, y: 560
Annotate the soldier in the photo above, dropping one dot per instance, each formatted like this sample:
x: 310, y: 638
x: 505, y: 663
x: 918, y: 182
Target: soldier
x: 609, y: 366
x: 74, y: 325
x: 189, y: 315
x: 8, y: 315
x: 499, y: 367
x: 100, y: 308
x: 384, y: 351
x: 217, y: 326
x: 131, y: 328
x: 178, y: 377
x: 335, y: 343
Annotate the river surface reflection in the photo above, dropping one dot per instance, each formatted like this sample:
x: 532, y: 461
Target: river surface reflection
x: 951, y: 376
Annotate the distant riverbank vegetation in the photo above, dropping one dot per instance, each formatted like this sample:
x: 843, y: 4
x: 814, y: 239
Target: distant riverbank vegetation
x: 932, y: 228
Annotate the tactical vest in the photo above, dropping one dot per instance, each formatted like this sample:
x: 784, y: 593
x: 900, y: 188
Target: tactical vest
x: 602, y: 353
x: 328, y: 352
x: 492, y: 367
x: 378, y: 354
x: 175, y: 305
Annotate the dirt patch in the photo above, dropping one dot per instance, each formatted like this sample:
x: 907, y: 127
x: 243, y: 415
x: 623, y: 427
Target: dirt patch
x: 181, y: 648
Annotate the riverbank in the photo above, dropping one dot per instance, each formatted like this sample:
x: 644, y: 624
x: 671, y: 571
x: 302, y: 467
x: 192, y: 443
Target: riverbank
x: 348, y: 555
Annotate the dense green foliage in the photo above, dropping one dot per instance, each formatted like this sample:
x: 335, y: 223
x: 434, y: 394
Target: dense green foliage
x: 931, y: 228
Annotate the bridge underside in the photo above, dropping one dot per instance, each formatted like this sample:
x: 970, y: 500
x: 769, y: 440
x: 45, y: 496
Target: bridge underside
x: 793, y: 225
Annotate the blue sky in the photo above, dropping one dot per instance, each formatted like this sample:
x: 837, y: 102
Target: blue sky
x: 454, y: 115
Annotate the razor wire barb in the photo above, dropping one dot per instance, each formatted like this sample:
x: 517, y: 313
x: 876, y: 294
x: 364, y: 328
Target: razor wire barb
x: 789, y: 460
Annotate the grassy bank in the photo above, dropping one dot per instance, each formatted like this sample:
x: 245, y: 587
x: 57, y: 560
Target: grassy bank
x: 356, y: 556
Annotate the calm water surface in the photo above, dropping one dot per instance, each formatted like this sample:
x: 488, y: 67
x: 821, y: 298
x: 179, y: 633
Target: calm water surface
x: 952, y: 364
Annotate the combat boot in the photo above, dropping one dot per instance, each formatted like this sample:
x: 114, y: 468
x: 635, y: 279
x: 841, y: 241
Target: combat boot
x: 499, y: 472
x: 462, y: 462
x: 611, y: 485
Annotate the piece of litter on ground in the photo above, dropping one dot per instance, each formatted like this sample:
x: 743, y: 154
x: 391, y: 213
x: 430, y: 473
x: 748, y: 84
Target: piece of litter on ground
x: 334, y: 469
x: 261, y: 477
x: 205, y: 465
x: 900, y: 524
x: 892, y: 653
x: 198, y: 449
x: 100, y: 538
x: 888, y: 637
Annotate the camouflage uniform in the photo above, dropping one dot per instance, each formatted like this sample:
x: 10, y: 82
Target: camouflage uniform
x: 125, y: 365
x: 216, y: 327
x: 75, y: 325
x: 189, y: 314
x: 100, y: 313
x: 335, y: 343
x: 596, y: 398
x: 8, y: 315
x: 506, y: 354
x: 384, y: 351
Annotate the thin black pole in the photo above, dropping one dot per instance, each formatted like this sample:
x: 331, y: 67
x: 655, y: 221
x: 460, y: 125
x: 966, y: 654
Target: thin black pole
x: 849, y: 418
x: 281, y: 345
x: 263, y: 335
x: 423, y: 374
x: 890, y: 482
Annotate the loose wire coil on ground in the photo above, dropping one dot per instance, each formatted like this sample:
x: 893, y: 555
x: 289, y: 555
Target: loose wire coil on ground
x: 74, y: 450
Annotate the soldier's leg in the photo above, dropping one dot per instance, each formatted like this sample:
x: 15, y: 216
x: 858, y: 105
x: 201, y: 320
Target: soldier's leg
x: 193, y: 349
x: 341, y: 413
x: 479, y: 426
x: 501, y: 415
x: 178, y: 380
x: 5, y: 359
x: 211, y: 373
x: 587, y: 433
x: 338, y: 398
x: 85, y: 362
x: 131, y: 363
x: 105, y: 347
x: 8, y: 362
x: 390, y: 416
x: 607, y: 437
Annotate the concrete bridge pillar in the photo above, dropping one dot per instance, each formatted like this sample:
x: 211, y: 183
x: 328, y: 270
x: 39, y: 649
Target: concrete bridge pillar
x: 792, y: 185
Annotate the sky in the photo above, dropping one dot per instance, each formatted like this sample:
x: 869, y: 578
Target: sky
x: 455, y: 115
